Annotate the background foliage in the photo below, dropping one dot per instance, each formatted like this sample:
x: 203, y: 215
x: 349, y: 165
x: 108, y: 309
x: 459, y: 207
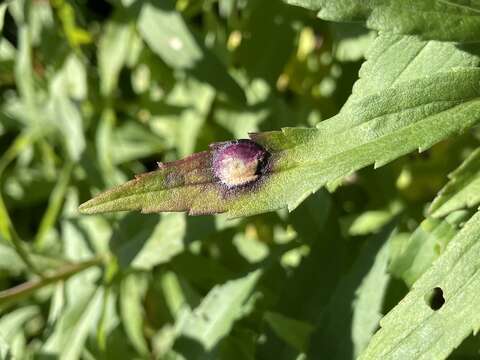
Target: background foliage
x: 94, y: 92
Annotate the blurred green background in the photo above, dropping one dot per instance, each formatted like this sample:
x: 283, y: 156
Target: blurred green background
x: 93, y: 92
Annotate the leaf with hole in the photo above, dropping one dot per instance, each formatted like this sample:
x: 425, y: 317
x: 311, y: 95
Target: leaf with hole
x: 441, y: 309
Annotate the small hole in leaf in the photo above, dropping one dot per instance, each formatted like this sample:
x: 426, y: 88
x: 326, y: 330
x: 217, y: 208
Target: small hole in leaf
x: 435, y: 298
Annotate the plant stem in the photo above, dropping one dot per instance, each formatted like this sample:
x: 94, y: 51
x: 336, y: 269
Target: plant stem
x: 62, y: 273
x: 54, y: 206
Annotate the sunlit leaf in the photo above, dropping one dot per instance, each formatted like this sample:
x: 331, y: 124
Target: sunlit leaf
x: 114, y: 48
x: 14, y: 321
x: 374, y: 129
x: 432, y: 19
x: 131, y: 297
x: 441, y: 308
x: 3, y: 8
x: 72, y: 329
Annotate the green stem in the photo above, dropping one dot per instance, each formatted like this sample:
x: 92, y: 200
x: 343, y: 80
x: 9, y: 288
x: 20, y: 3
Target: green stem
x: 54, y: 205
x: 63, y: 273
x: 20, y: 143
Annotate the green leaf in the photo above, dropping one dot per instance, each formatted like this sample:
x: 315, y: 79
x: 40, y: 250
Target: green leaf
x: 68, y: 84
x: 145, y: 241
x: 463, y: 189
x: 3, y: 9
x: 24, y: 76
x: 167, y: 34
x: 9, y: 260
x: 77, y: 320
x: 12, y: 323
x: 352, y: 41
x: 431, y: 19
x: 134, y: 141
x: 5, y: 352
x: 132, y: 291
x: 425, y: 245
x: 196, y: 99
x: 374, y: 127
x: 294, y: 332
x: 216, y: 314
x: 424, y: 326
x: 354, y: 310
x: 55, y: 203
x: 114, y: 49
x: 393, y: 59
x: 70, y: 122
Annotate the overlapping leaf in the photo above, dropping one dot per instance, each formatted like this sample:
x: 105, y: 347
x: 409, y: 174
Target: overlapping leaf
x: 422, y: 329
x: 425, y: 245
x: 463, y: 189
x: 432, y: 19
x: 352, y: 315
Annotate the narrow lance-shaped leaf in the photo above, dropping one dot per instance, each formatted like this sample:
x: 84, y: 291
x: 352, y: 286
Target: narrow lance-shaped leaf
x: 441, y: 309
x: 3, y: 9
x: 463, y: 189
x: 279, y: 169
x: 450, y: 20
x: 218, y: 311
x: 411, y: 108
x: 352, y: 315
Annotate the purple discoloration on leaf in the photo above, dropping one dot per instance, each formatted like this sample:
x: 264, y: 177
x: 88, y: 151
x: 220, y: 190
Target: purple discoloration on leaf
x: 239, y: 163
x: 202, y: 183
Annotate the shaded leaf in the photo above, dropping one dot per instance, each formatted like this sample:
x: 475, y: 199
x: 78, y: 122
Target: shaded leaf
x: 216, y: 314
x: 114, y: 49
x: 133, y: 141
x: 145, y: 241
x: 425, y: 245
x: 463, y: 189
x: 354, y: 310
x: 294, y: 332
